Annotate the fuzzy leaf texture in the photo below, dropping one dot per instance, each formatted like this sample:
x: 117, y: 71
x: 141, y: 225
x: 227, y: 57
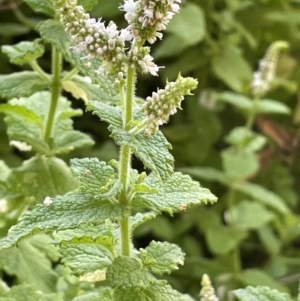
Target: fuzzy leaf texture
x: 94, y: 176
x: 152, y: 151
x: 53, y: 32
x: 67, y: 211
x: 25, y: 120
x: 176, y: 194
x: 131, y: 282
x: 24, y: 52
x: 261, y: 293
x: 21, y: 84
x: 85, y: 255
x: 161, y: 257
x: 26, y: 292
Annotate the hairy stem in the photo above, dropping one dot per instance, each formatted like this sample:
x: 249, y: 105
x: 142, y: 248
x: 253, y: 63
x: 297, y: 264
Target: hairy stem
x: 125, y: 162
x: 35, y: 66
x: 252, y: 115
x: 55, y: 89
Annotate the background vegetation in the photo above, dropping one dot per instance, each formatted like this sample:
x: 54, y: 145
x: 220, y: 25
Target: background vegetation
x: 251, y: 236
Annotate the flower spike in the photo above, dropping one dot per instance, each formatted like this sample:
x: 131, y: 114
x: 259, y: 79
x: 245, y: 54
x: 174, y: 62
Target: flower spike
x: 164, y: 103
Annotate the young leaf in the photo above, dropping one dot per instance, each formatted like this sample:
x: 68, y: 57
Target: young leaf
x: 94, y: 176
x: 23, y: 52
x: 85, y: 255
x: 21, y: 84
x: 261, y: 293
x: 161, y: 257
x: 176, y: 194
x: 68, y: 211
x: 152, y: 151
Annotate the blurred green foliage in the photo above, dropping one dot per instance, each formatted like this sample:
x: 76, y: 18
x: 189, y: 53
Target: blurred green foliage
x: 251, y: 236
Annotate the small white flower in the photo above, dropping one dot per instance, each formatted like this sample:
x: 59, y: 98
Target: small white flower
x: 48, y: 201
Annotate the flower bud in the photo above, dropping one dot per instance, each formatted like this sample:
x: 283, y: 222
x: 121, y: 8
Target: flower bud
x: 164, y: 103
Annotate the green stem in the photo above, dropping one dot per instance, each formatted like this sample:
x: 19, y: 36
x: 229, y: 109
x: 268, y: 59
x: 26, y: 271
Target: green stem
x: 55, y: 89
x: 35, y: 66
x: 125, y: 163
x: 23, y: 19
x: 236, y: 256
x: 70, y: 74
x: 252, y: 115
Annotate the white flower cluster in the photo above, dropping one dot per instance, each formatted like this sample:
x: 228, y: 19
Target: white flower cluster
x: 147, y: 18
x: 93, y: 37
x: 265, y: 75
x: 164, y: 103
x: 97, y: 40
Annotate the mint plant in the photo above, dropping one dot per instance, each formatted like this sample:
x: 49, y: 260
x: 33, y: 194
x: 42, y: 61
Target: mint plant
x: 91, y: 219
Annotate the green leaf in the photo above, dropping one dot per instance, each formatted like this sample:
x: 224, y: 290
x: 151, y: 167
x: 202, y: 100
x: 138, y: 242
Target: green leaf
x: 207, y: 173
x: 257, y: 277
x: 237, y: 100
x: 171, y: 45
x: 268, y: 106
x: 35, y: 109
x: 269, y: 239
x: 263, y: 195
x: 157, y: 291
x: 21, y: 84
x: 94, y: 176
x: 223, y: 239
x: 250, y: 215
x: 104, y: 295
x: 30, y: 264
x: 238, y: 163
x: 41, y: 177
x: 87, y: 4
x: 84, y: 255
x: 44, y: 6
x: 161, y: 257
x: 4, y: 171
x: 53, y: 32
x: 24, y: 52
x: 176, y: 194
x: 261, y: 293
x: 27, y: 292
x: 152, y: 151
x: 127, y: 271
x: 81, y: 87
x: 189, y: 25
x: 241, y: 137
x: 68, y: 211
x: 230, y: 66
